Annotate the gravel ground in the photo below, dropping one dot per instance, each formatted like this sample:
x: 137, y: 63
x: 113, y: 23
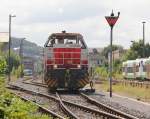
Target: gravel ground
x: 29, y: 86
x: 135, y: 108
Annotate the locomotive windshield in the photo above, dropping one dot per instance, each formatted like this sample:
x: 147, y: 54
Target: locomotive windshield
x: 60, y: 39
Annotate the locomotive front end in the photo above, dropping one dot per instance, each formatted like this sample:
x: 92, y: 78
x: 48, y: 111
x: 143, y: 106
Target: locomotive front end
x: 66, y: 61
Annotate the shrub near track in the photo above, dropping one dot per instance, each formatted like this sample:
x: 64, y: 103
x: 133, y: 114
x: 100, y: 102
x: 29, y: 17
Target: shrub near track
x: 12, y: 107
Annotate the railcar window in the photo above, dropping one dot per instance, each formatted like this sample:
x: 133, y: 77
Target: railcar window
x: 130, y: 69
x: 144, y: 68
x: 137, y: 68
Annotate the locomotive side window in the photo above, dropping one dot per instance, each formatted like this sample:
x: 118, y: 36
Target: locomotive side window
x: 50, y: 43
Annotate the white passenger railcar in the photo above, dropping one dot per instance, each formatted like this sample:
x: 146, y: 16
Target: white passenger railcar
x: 136, y: 69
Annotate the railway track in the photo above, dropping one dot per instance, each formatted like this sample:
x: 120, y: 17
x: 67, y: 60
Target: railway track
x: 90, y: 105
x: 35, y: 83
x: 69, y: 108
x: 45, y: 105
x: 42, y: 109
x: 107, y: 108
x: 32, y: 81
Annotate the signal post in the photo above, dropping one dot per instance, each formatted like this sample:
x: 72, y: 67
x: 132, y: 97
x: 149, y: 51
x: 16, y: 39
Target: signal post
x: 111, y: 21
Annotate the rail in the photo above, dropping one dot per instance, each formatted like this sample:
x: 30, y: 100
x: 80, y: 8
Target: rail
x: 65, y: 109
x: 107, y: 108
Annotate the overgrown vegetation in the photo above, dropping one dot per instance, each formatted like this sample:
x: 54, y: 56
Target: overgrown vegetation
x: 14, y: 60
x: 127, y: 90
x: 136, y: 51
x: 12, y: 107
x: 2, y: 66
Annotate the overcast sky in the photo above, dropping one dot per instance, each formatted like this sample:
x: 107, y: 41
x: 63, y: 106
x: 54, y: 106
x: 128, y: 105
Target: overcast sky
x: 37, y: 19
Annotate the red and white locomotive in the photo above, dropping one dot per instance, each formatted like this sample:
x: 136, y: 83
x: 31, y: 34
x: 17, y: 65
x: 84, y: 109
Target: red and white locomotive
x: 65, y: 61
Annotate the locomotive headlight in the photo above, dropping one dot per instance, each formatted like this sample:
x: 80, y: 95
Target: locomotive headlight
x: 55, y: 66
x: 79, y: 66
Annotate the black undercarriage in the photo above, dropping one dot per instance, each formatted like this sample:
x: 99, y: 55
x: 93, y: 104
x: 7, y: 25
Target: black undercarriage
x: 66, y: 78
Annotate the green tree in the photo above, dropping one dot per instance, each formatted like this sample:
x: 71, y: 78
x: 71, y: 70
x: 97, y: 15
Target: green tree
x: 14, y: 60
x: 106, y: 50
x: 136, y: 51
x: 130, y: 55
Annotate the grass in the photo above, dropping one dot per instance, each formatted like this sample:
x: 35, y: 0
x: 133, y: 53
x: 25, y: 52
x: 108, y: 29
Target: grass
x: 11, y: 107
x: 138, y: 93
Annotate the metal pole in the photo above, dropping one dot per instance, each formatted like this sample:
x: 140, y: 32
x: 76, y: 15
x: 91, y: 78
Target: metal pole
x: 9, y: 70
x: 143, y: 39
x: 110, y: 75
x: 43, y: 66
x: 21, y: 56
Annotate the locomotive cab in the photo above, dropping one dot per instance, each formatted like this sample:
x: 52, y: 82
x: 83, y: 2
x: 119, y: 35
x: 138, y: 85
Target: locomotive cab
x: 66, y: 61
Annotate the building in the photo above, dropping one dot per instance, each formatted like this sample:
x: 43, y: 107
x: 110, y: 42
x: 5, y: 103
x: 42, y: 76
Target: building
x: 95, y: 59
x: 117, y: 54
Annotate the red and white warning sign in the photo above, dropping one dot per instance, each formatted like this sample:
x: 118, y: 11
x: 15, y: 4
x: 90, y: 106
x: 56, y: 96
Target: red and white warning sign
x: 111, y: 20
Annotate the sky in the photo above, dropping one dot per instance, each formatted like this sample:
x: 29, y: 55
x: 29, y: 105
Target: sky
x: 37, y: 19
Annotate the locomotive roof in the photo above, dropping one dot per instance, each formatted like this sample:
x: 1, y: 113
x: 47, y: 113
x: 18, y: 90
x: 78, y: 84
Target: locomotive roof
x: 66, y: 35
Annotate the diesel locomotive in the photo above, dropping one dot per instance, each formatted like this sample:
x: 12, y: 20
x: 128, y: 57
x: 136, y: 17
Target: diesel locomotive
x: 65, y: 61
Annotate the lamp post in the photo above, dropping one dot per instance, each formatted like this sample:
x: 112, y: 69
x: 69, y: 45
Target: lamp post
x: 21, y: 55
x: 9, y: 45
x: 143, y: 38
x: 111, y: 21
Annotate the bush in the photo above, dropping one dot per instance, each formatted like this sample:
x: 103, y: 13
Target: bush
x: 101, y: 71
x: 19, y: 72
x: 2, y: 66
x: 14, y: 60
x: 12, y: 107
